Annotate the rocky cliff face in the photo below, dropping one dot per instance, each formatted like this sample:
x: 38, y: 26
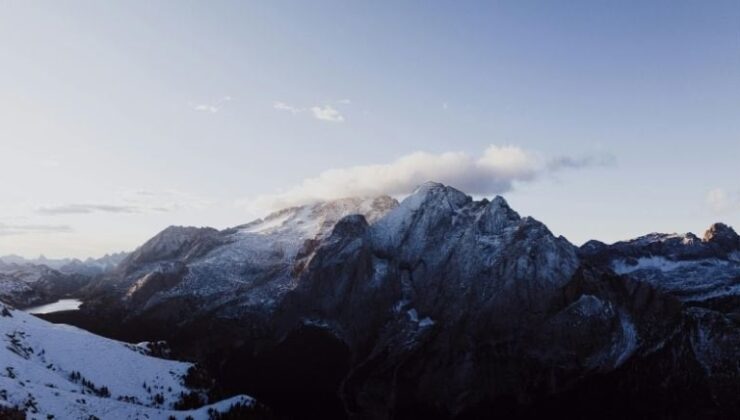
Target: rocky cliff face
x: 442, y: 306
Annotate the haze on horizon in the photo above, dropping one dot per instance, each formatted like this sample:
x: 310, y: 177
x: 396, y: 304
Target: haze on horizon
x: 604, y: 121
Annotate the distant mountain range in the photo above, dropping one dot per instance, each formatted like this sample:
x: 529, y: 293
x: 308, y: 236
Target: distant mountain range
x: 438, y: 306
x: 69, y: 265
x: 25, y: 282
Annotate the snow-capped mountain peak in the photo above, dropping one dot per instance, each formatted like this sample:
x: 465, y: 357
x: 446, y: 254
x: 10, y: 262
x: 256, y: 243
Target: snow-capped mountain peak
x: 723, y: 236
x: 316, y: 220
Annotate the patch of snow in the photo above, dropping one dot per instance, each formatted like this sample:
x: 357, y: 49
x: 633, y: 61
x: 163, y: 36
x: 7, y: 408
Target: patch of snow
x: 648, y: 263
x: 413, y: 315
x: 426, y: 322
x: 267, y: 224
x: 689, y: 280
x: 588, y: 306
x: 629, y: 338
x: 320, y: 323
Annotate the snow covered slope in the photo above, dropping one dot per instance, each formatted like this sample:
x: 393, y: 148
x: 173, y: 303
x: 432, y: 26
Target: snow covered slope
x: 251, y: 265
x: 64, y: 372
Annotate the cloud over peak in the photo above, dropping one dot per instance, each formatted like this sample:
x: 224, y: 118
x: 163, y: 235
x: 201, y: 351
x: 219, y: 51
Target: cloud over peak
x: 495, y: 171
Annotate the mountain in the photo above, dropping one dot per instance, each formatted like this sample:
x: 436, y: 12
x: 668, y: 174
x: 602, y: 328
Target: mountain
x: 185, y: 271
x: 703, y: 274
x: 58, y: 371
x: 26, y: 284
x: 89, y: 266
x: 29, y: 282
x: 697, y: 271
x: 440, y: 306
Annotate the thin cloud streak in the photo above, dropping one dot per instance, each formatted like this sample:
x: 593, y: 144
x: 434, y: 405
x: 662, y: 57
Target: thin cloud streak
x: 211, y: 108
x: 11, y: 230
x: 282, y: 106
x: 86, y: 209
x: 569, y: 162
x: 320, y: 112
x: 132, y: 201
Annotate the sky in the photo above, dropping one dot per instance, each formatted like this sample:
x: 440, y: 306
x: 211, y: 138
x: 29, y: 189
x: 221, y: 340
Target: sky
x: 602, y: 119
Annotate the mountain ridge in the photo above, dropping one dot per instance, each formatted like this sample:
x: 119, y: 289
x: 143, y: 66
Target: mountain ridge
x: 437, y: 289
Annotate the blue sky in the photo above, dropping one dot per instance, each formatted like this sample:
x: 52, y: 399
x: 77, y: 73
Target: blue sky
x: 120, y: 118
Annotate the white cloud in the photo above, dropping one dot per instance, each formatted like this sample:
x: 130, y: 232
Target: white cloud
x: 206, y: 108
x: 720, y: 201
x: 12, y: 230
x: 282, y: 106
x: 77, y: 208
x: 493, y: 172
x: 164, y: 200
x: 327, y: 113
x: 320, y: 112
x: 211, y: 108
x: 565, y: 162
x: 128, y: 202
